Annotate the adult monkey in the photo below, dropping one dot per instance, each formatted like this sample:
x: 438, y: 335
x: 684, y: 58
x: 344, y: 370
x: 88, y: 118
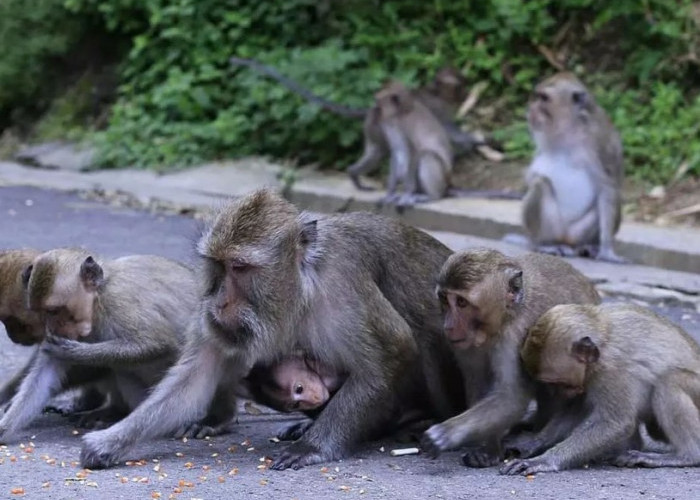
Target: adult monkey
x: 353, y: 291
x: 442, y: 96
x: 573, y: 204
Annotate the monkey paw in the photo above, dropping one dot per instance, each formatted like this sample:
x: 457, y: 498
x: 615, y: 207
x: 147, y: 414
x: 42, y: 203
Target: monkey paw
x: 59, y: 347
x: 294, y: 431
x: 524, y: 445
x: 436, y: 440
x: 95, y: 453
x: 298, y: 455
x: 480, y: 457
x: 634, y: 458
x: 527, y: 467
x: 610, y: 256
x: 200, y: 430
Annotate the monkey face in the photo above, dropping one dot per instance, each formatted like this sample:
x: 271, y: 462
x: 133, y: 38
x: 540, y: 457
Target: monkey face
x: 463, y: 321
x: 21, y: 332
x: 393, y: 100
x: 557, y: 104
x: 293, y: 386
x: 62, y: 288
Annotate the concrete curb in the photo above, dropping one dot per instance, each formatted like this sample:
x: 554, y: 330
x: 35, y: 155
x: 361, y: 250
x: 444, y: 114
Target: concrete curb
x: 676, y: 248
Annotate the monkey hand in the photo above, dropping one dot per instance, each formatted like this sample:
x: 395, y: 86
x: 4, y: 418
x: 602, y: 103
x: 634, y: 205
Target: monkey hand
x: 298, y: 455
x: 437, y: 439
x: 524, y: 445
x: 96, y: 450
x: 294, y: 431
x: 60, y: 347
x: 528, y: 467
x: 203, y: 429
x: 480, y: 457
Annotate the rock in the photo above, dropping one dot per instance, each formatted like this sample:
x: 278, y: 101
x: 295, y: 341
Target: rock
x: 57, y: 156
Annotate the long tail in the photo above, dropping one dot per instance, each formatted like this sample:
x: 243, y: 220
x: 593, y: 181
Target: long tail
x: 295, y: 87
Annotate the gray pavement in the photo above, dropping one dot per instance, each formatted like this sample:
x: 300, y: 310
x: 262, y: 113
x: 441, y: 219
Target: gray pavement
x: 43, y: 463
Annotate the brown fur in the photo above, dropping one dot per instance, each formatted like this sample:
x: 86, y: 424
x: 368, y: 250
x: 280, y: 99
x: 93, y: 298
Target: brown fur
x: 489, y: 301
x: 632, y: 367
x: 351, y: 291
x: 573, y: 202
x: 129, y: 314
x: 23, y: 326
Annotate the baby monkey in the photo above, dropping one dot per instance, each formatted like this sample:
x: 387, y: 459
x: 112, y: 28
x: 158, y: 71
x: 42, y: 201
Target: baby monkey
x: 295, y: 383
x: 631, y: 367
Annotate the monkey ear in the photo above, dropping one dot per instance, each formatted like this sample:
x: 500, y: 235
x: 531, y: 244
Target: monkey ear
x: 585, y: 350
x: 26, y: 274
x: 402, y: 102
x: 309, y: 233
x: 91, y: 273
x: 515, y: 286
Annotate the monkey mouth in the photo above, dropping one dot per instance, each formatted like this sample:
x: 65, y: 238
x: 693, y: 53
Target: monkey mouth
x: 461, y: 343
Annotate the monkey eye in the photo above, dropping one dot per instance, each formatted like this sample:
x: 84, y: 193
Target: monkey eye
x: 578, y: 98
x: 462, y: 302
x: 442, y: 297
x: 298, y: 389
x: 52, y: 311
x: 237, y: 265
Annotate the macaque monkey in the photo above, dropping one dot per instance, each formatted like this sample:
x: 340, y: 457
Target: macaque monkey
x: 631, y: 367
x: 573, y: 200
x: 442, y: 97
x: 26, y: 327
x: 126, y: 315
x: 421, y: 155
x: 23, y: 326
x: 489, y: 301
x: 295, y: 383
x: 352, y: 291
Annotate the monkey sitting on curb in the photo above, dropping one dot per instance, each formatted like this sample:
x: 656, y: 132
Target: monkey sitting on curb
x: 632, y: 367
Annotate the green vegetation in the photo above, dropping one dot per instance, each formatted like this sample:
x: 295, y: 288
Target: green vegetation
x: 180, y: 102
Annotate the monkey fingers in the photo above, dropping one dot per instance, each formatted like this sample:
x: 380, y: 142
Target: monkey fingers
x: 294, y: 431
x: 436, y: 440
x: 636, y: 458
x: 298, y: 455
x: 527, y: 467
x: 201, y: 430
x: 480, y: 457
x: 60, y: 347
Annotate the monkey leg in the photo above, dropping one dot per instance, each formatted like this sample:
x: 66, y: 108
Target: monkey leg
x: 676, y: 403
x: 368, y: 162
x: 181, y: 397
x: 541, y: 215
x: 486, y: 455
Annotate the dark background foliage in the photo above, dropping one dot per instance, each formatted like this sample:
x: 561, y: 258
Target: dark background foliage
x: 149, y: 82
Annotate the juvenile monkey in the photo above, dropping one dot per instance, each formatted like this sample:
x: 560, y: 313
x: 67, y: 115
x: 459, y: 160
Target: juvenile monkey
x: 295, y: 383
x: 349, y: 290
x: 631, y: 367
x: 22, y: 325
x: 573, y: 200
x: 489, y: 301
x: 126, y: 315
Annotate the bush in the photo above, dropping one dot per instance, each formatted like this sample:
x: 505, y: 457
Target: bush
x: 180, y: 102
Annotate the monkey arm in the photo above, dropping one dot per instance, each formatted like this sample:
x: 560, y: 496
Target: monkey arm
x: 612, y: 421
x: 492, y: 416
x: 180, y: 398
x: 42, y: 382
x: 11, y: 386
x: 113, y: 353
x: 608, y: 216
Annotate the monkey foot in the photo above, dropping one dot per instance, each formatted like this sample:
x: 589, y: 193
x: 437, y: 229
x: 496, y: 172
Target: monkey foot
x: 527, y: 467
x: 94, y: 455
x: 298, y: 455
x: 480, y: 457
x: 636, y: 458
x: 200, y: 430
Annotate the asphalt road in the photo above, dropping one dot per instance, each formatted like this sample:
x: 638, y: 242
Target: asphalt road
x: 43, y: 464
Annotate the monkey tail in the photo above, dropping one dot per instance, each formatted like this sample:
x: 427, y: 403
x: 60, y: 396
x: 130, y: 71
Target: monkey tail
x: 295, y: 87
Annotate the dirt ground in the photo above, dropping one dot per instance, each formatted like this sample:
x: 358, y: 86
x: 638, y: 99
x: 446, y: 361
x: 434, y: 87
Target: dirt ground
x: 642, y: 202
